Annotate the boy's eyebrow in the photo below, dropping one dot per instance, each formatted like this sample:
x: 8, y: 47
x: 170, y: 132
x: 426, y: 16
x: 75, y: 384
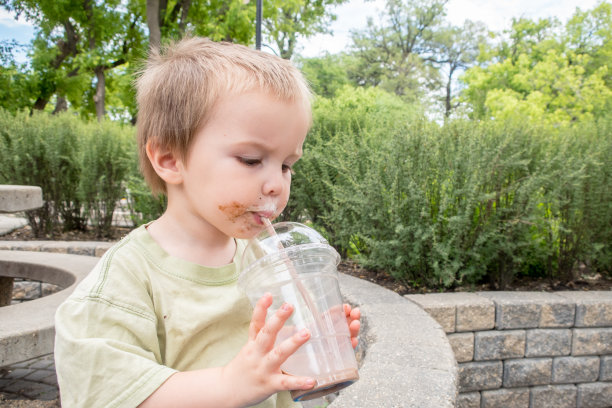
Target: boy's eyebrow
x: 250, y: 143
x: 262, y: 146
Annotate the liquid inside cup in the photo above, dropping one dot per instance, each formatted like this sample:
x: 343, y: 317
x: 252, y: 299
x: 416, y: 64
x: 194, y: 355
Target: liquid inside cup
x: 303, y: 273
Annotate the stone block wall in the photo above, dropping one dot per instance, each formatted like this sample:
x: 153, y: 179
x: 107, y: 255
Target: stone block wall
x: 528, y: 349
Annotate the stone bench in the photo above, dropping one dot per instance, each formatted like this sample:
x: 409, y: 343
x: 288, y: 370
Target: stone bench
x: 19, y: 198
x: 408, y: 361
x: 28, y: 329
x: 13, y: 199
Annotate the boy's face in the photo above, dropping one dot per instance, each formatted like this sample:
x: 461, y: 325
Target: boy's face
x: 238, y: 169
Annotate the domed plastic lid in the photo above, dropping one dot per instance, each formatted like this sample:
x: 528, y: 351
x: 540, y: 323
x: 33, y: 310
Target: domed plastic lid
x: 282, y: 236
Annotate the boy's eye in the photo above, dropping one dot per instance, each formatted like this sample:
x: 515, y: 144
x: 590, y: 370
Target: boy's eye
x: 249, y: 161
x: 288, y: 168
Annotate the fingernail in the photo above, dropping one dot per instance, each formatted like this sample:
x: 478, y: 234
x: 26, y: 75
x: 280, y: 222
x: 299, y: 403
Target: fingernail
x: 310, y: 382
x: 304, y: 333
x: 286, y: 307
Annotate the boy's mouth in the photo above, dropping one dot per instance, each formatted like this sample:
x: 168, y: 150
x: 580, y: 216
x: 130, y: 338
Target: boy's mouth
x: 236, y: 210
x: 266, y: 211
x: 261, y: 215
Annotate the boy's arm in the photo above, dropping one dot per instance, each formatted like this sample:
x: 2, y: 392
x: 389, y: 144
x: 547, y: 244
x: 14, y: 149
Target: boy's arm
x: 251, y: 377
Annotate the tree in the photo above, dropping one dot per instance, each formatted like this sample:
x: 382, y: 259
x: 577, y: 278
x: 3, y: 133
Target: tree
x: 545, y: 72
x: 590, y: 33
x: 397, y: 54
x: 107, y: 48
x: 77, y: 41
x: 326, y: 74
x: 14, y: 87
x: 456, y: 49
x: 227, y: 20
x: 285, y: 20
x: 84, y: 49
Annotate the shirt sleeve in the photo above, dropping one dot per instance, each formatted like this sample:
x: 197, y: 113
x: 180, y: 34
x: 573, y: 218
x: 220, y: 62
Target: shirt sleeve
x: 103, y: 355
x: 107, y: 352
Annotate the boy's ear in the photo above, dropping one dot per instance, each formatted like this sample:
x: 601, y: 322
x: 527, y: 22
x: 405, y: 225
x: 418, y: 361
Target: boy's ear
x: 165, y: 163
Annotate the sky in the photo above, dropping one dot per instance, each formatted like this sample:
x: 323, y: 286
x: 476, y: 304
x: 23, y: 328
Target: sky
x: 496, y: 14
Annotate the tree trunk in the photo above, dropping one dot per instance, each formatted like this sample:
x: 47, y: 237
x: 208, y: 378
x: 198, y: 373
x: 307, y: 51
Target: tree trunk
x: 153, y: 23
x: 67, y: 47
x: 184, y: 12
x: 40, y: 102
x: 447, y: 99
x: 100, y: 92
x: 61, y: 105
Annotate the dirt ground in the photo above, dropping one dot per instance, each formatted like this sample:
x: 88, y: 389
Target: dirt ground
x: 28, y: 404
x: 584, y: 282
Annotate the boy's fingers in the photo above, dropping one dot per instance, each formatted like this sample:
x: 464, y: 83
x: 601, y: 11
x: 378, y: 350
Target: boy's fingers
x: 347, y: 309
x: 285, y: 349
x: 290, y: 382
x: 267, y: 334
x: 259, y: 315
x: 355, y: 314
x: 354, y: 328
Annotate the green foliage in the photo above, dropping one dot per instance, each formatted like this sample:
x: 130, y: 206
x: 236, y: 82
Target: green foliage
x: 284, y: 20
x: 394, y: 52
x: 44, y: 151
x: 459, y: 203
x: 326, y: 74
x: 144, y: 206
x: 84, y: 52
x: 370, y: 113
x: 15, y: 93
x: 82, y: 168
x: 75, y: 44
x: 219, y: 20
x: 106, y: 163
x: 547, y: 73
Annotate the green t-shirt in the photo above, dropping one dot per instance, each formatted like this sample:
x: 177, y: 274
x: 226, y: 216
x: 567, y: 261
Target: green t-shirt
x: 140, y: 316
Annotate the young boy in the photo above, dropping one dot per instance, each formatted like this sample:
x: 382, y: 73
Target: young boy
x: 160, y: 321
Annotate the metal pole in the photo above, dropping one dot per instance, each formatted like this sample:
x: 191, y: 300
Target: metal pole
x: 258, y: 24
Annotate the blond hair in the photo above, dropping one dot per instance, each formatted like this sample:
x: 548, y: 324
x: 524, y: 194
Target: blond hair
x: 180, y: 85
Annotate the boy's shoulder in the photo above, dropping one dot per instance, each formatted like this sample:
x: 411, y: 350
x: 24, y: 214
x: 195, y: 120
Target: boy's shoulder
x: 123, y: 267
x: 129, y: 246
x: 132, y: 250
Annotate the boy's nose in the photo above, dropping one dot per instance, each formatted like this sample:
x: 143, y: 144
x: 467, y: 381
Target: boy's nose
x: 274, y: 184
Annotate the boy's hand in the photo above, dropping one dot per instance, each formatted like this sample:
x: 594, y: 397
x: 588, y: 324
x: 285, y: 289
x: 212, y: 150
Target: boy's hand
x: 255, y: 374
x: 352, y: 318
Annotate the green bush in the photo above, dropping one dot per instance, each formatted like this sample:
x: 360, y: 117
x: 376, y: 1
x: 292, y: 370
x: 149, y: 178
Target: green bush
x: 106, y: 164
x: 356, y: 120
x: 44, y: 151
x: 459, y: 203
x: 429, y: 204
x: 144, y: 206
x: 82, y: 168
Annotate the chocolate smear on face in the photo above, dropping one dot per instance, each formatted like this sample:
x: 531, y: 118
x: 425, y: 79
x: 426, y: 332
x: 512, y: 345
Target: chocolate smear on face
x: 233, y: 210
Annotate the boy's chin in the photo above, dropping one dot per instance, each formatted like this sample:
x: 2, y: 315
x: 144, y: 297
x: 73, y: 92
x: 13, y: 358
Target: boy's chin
x: 248, y: 233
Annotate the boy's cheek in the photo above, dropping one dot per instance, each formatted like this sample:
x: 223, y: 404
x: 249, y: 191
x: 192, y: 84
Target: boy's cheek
x: 282, y: 205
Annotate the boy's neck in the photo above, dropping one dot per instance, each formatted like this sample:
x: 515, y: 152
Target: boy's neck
x: 183, y: 239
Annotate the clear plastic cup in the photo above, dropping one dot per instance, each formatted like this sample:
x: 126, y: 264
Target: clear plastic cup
x: 296, y: 265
